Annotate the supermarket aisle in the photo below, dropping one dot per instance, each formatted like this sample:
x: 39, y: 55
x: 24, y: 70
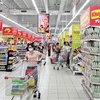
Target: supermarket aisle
x: 55, y: 85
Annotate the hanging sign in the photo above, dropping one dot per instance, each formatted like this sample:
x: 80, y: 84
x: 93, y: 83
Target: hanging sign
x: 14, y: 31
x: 76, y: 36
x: 91, y: 17
x: 19, y: 34
x: 43, y: 23
x: 10, y: 31
x: 29, y: 37
x: 24, y: 34
x: 1, y: 22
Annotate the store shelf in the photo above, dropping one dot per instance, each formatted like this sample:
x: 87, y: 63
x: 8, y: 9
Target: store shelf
x: 89, y: 67
x: 86, y: 52
x: 87, y: 90
x: 75, y: 71
x: 87, y: 40
x: 89, y: 79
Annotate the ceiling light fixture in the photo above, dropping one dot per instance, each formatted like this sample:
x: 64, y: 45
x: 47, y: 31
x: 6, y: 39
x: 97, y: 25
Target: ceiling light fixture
x: 34, y: 3
x: 17, y: 24
x: 76, y: 15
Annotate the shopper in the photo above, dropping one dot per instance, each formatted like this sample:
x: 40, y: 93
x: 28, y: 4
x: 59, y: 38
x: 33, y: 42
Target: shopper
x: 32, y: 58
x: 49, y: 49
x: 41, y: 48
x: 27, y: 47
x: 68, y: 54
x: 57, y: 50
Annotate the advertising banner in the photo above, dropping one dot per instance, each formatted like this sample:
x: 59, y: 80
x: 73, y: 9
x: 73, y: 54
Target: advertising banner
x: 20, y: 34
x: 1, y: 22
x: 95, y: 16
x: 76, y: 36
x: 29, y: 37
x: 14, y: 31
x: 15, y: 40
x: 91, y: 17
x: 24, y: 34
x: 43, y: 23
x: 10, y: 31
x: 85, y: 19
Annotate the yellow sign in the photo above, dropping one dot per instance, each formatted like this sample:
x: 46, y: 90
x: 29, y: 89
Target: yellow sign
x: 95, y: 14
x: 76, y: 36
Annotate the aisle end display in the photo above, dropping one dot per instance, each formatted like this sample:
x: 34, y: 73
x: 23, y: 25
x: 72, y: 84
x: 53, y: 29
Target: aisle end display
x: 75, y: 59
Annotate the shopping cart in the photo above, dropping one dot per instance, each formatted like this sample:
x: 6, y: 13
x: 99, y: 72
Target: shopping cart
x: 58, y: 61
x: 22, y: 82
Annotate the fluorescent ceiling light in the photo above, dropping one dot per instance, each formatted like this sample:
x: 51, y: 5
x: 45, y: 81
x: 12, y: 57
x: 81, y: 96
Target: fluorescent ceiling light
x: 33, y: 1
x: 76, y: 15
x: 17, y: 24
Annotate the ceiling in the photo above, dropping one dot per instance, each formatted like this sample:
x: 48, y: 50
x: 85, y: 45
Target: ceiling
x: 23, y: 12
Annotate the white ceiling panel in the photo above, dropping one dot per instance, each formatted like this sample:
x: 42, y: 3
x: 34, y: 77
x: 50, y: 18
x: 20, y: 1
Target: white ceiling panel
x: 21, y: 4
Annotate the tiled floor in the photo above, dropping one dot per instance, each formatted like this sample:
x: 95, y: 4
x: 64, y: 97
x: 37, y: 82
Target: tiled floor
x: 54, y: 85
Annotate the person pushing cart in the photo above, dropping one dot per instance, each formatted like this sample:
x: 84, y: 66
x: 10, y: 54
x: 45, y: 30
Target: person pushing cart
x: 32, y: 58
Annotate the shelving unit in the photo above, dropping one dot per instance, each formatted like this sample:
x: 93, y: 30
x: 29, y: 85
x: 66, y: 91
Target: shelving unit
x: 91, y: 62
x: 11, y: 59
x: 76, y: 65
x: 22, y: 51
x: 3, y: 57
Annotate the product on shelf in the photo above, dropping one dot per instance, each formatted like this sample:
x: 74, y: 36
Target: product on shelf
x: 3, y: 57
x: 76, y: 64
x: 21, y: 51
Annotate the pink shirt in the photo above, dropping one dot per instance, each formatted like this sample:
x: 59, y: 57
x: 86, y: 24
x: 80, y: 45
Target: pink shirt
x: 33, y: 56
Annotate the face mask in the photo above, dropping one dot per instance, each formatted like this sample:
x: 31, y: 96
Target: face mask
x: 30, y: 49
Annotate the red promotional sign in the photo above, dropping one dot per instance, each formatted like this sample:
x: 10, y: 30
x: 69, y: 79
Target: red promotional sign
x: 29, y: 36
x: 15, y: 40
x: 95, y: 16
x: 7, y: 31
x: 91, y: 17
x: 15, y: 31
x: 1, y: 25
x: 10, y: 31
x: 19, y: 34
x: 24, y: 34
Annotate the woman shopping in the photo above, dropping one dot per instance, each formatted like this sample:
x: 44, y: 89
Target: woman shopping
x: 32, y: 58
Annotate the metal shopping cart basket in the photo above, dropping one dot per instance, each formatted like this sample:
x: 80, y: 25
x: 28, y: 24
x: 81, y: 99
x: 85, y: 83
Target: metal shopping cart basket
x: 59, y: 61
x: 17, y: 83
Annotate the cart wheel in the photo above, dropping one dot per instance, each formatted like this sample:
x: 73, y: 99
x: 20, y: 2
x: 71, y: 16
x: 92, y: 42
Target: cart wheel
x: 62, y: 66
x: 44, y: 63
x: 39, y: 95
x: 57, y: 68
x: 54, y: 68
x: 34, y: 95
